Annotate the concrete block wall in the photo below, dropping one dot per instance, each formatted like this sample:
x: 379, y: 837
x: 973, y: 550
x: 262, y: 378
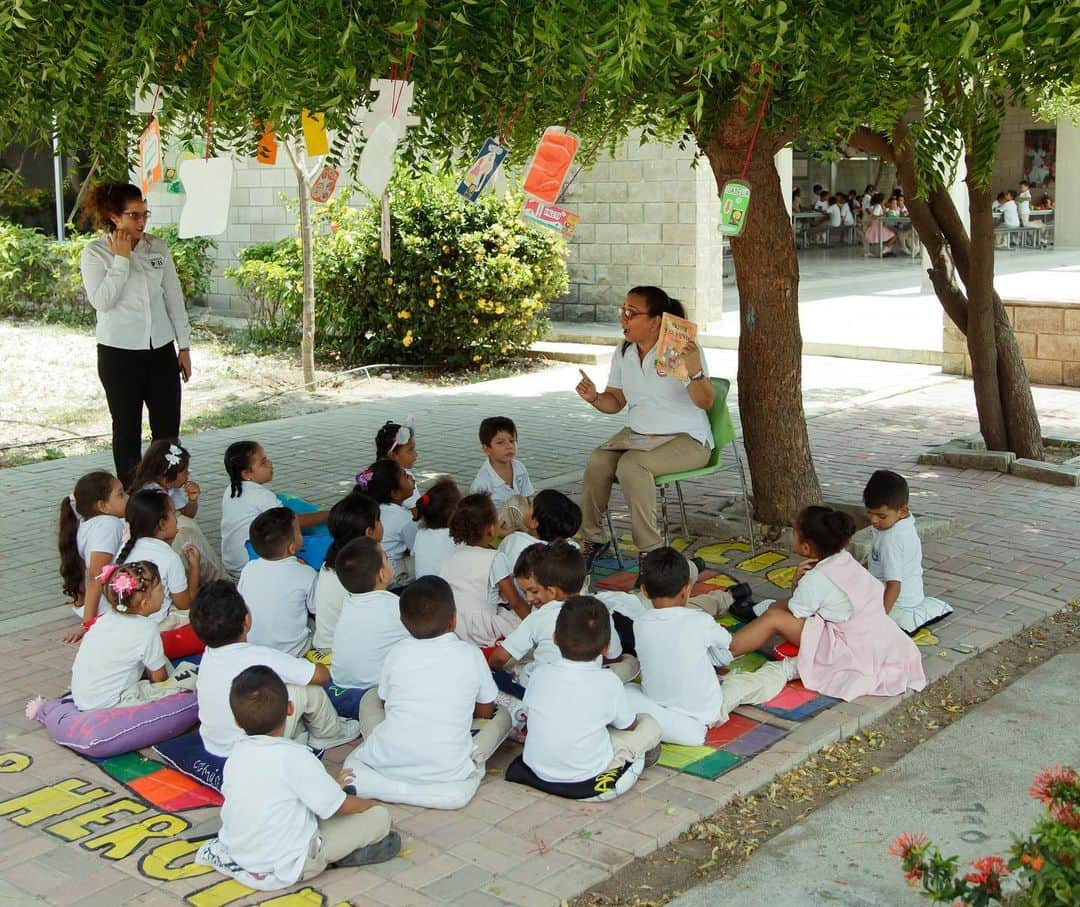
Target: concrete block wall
x: 1009, y: 169
x: 1048, y: 334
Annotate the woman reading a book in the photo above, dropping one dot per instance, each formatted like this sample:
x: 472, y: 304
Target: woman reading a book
x: 659, y: 374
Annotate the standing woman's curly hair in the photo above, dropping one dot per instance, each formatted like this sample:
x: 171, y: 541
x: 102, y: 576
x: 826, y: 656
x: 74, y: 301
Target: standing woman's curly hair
x: 105, y: 200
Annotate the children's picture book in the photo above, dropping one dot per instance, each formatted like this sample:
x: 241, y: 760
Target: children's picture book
x: 675, y: 334
x: 636, y: 441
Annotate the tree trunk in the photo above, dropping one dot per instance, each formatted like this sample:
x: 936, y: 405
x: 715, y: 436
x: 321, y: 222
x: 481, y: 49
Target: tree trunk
x: 307, y: 335
x: 770, y: 342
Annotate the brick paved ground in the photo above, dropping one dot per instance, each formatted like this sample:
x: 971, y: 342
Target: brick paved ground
x: 1013, y: 560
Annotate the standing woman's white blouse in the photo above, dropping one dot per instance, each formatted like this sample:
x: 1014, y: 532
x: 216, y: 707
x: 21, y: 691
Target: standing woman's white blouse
x: 138, y: 299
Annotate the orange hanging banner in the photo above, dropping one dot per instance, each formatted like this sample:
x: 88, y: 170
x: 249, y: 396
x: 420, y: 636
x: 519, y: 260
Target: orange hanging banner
x: 150, y: 157
x: 266, y: 152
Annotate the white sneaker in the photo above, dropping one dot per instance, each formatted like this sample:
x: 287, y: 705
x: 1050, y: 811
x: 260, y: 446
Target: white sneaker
x: 791, y: 668
x: 348, y: 730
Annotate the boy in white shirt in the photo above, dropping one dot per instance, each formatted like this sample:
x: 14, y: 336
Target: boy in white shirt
x: 278, y: 588
x: 1023, y: 210
x: 503, y: 475
x: 370, y: 623
x: 284, y: 818
x: 1010, y: 213
x: 221, y: 620
x: 432, y: 723
x: 680, y: 647
x: 585, y: 741
x: 896, y: 554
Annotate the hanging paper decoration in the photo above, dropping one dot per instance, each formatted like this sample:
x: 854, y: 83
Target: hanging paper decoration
x: 550, y: 163
x: 323, y: 186
x: 384, y: 227
x: 734, y: 202
x: 483, y: 169
x: 385, y: 124
x: 209, y: 184
x: 315, y: 139
x: 550, y: 216
x: 171, y: 174
x: 266, y: 150
x: 147, y: 97
x: 150, y: 157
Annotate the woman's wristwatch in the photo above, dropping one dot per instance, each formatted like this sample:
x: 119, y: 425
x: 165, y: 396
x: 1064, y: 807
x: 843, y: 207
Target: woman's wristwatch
x: 698, y: 375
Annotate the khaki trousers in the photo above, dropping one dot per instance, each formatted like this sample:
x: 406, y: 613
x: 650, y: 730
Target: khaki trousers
x: 634, y: 470
x: 188, y: 532
x: 312, y: 711
x: 628, y: 745
x: 339, y: 836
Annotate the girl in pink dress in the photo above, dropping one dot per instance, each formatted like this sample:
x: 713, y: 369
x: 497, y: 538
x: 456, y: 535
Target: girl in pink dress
x: 848, y: 645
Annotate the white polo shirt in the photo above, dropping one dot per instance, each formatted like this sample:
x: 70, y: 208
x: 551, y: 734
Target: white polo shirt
x: 430, y: 687
x: 275, y: 791
x: 896, y: 555
x: 111, y: 658
x: 138, y: 299
x: 399, y: 533
x: 218, y: 669
x: 237, y: 515
x: 280, y: 595
x: 510, y: 549
x: 329, y: 598
x: 817, y: 594
x: 369, y: 627
x: 570, y: 705
x: 431, y: 548
x: 537, y: 631
x: 170, y: 567
x: 102, y: 533
x: 655, y: 405
x: 679, y: 649
x: 487, y: 479
x: 1010, y: 214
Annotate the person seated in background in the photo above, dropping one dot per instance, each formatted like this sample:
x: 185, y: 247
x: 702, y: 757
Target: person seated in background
x: 998, y: 203
x: 821, y: 203
x: 796, y: 200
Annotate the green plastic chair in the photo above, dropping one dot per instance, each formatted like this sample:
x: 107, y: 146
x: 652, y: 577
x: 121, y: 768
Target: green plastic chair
x: 723, y: 432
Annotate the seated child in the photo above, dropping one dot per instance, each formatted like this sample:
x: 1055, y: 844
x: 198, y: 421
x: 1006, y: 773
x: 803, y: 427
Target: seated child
x: 502, y: 475
x: 249, y: 470
x: 432, y: 723
x: 559, y: 574
x: 123, y: 645
x: 166, y: 467
x: 551, y: 517
x: 222, y: 621
x: 433, y: 544
x: 896, y: 554
x: 680, y: 648
x: 848, y: 645
x: 585, y: 741
x: 91, y: 534
x: 278, y: 589
x: 392, y: 486
x: 474, y: 575
x: 355, y: 516
x: 370, y: 623
x: 285, y: 819
x: 396, y: 441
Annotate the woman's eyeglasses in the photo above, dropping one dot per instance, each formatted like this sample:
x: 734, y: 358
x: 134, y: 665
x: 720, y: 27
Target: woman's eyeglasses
x: 137, y: 215
x: 630, y: 314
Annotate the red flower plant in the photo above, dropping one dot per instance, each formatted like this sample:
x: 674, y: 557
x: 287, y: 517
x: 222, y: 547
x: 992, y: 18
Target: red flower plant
x: 989, y: 871
x: 906, y: 843
x: 1066, y: 814
x: 1046, y: 785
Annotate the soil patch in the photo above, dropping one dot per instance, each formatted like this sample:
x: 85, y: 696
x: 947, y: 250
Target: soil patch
x: 711, y: 848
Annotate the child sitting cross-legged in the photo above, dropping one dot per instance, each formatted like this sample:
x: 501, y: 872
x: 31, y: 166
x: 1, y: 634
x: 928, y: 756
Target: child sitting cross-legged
x: 91, y: 533
x: 680, y: 647
x: 284, y: 818
x: 370, y: 623
x: 391, y: 485
x: 433, y: 544
x: 585, y: 740
x: 279, y: 590
x: 848, y: 645
x: 432, y: 723
x: 221, y: 619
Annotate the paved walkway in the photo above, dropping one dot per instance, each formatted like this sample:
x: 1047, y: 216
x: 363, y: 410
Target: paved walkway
x: 1014, y: 561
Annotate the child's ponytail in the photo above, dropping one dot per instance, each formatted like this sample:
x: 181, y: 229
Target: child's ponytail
x: 827, y: 529
x: 237, y: 460
x: 145, y: 511
x: 437, y: 503
x: 381, y: 479
x: 81, y: 504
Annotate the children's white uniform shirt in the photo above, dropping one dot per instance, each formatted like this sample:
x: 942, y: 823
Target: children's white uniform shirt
x: 570, y: 705
x: 369, y: 627
x: 1010, y: 214
x: 280, y: 595
x: 431, y: 548
x: 537, y: 632
x: 487, y: 479
x: 237, y: 515
x: 399, y: 532
x: 275, y: 791
x: 510, y: 549
x: 178, y: 495
x: 679, y: 649
x: 99, y: 533
x: 170, y: 568
x: 430, y: 687
x: 896, y: 555
x: 111, y: 658
x: 329, y: 598
x: 218, y: 669
x: 817, y: 594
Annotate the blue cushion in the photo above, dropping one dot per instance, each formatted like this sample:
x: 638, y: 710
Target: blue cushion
x: 188, y: 755
x: 346, y: 700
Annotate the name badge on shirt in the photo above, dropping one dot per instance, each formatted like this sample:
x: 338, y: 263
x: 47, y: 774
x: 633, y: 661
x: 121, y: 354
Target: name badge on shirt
x: 157, y: 262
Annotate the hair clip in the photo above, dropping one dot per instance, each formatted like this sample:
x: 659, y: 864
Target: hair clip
x: 124, y: 584
x: 106, y: 573
x: 404, y: 434
x: 363, y: 479
x: 424, y: 499
x: 173, y: 455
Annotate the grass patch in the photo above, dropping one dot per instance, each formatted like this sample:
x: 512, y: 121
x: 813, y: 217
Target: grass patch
x: 230, y: 414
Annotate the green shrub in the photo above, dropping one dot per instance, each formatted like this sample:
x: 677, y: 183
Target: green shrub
x: 468, y: 284
x: 193, y: 260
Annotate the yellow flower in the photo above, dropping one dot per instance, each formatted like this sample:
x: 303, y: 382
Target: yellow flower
x: 407, y: 339
x: 389, y: 281
x: 476, y: 320
x: 499, y: 309
x: 446, y: 248
x: 405, y: 314
x: 476, y: 358
x: 431, y: 303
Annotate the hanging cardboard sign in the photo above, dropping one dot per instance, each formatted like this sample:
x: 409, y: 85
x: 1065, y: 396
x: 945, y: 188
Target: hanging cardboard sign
x: 323, y: 186
x: 483, y: 169
x: 315, y: 138
x: 208, y: 184
x: 548, y: 168
x: 150, y: 157
x: 552, y: 217
x: 266, y: 151
x: 734, y: 202
x: 384, y: 227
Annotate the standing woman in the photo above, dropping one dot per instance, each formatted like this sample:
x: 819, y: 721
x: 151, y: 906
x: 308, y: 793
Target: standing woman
x: 131, y: 282
x: 669, y: 424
